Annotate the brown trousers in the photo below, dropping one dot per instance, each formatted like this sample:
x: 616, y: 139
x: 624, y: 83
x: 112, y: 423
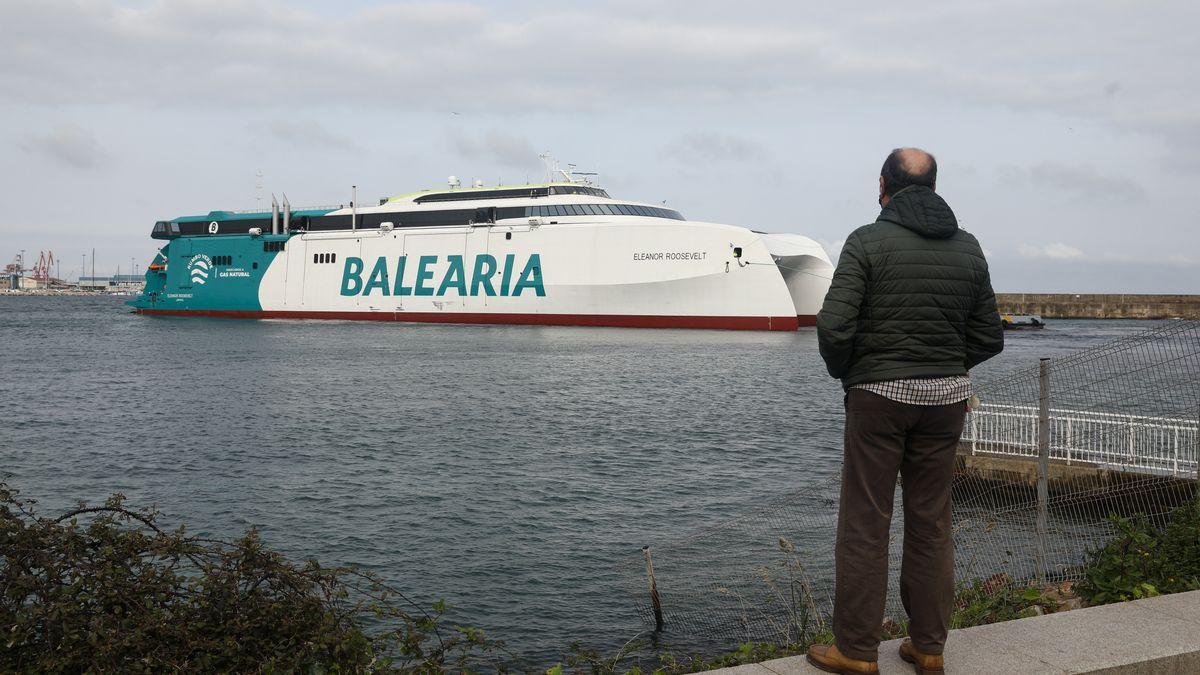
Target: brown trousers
x: 884, y: 438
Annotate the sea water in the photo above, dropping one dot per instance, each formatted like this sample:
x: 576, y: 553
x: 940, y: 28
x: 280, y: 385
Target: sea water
x: 509, y: 470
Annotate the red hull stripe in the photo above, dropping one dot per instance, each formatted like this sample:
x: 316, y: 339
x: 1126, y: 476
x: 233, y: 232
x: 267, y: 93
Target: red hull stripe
x: 608, y: 320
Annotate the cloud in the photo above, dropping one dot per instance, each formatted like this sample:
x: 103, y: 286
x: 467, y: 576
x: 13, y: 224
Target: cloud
x: 1053, y: 251
x: 1086, y: 182
x: 308, y: 134
x: 1089, y: 59
x: 497, y: 148
x: 1060, y: 252
x: 68, y: 145
x: 701, y: 148
x: 1081, y: 182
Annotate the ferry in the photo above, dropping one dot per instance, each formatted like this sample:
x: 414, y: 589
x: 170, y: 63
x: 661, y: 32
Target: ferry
x: 562, y: 252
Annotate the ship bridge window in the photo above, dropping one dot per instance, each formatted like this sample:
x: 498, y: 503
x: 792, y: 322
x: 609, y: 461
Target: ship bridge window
x: 553, y: 210
x: 164, y: 229
x: 273, y: 246
x: 578, y: 190
x: 511, y: 193
x: 320, y: 258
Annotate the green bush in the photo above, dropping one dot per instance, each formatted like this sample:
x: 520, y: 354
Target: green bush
x: 1142, y: 560
x: 997, y: 599
x: 105, y: 589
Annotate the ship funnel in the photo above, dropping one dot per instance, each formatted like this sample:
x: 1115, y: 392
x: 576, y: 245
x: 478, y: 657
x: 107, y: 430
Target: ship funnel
x: 274, y: 215
x: 287, y: 215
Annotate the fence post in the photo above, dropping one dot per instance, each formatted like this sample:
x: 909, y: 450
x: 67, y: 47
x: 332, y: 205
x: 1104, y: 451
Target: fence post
x: 1043, y: 488
x: 654, y: 600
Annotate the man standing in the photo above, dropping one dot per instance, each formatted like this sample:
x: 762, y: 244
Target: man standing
x: 910, y: 312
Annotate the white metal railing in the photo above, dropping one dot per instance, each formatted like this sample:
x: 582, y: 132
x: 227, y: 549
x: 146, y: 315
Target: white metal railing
x: 1157, y: 445
x: 323, y: 207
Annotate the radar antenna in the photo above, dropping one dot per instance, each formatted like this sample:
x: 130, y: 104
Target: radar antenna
x: 553, y: 170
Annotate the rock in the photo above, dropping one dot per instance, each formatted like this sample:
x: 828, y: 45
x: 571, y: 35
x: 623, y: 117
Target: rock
x: 1068, y: 604
x: 1034, y: 610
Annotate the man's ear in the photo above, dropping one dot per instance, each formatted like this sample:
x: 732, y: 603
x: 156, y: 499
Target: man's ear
x: 882, y: 187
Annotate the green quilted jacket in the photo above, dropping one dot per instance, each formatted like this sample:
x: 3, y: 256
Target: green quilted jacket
x: 911, y: 297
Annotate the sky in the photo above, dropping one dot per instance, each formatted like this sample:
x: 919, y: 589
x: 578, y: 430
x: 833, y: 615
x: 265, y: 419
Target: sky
x: 1067, y: 132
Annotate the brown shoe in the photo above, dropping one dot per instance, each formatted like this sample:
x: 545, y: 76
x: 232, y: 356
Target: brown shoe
x: 924, y: 663
x: 830, y: 660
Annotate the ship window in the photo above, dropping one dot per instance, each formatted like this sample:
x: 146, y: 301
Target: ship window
x: 316, y: 258
x: 332, y: 257
x: 465, y: 195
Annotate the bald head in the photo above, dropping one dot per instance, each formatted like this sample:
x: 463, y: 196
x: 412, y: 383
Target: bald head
x: 906, y: 167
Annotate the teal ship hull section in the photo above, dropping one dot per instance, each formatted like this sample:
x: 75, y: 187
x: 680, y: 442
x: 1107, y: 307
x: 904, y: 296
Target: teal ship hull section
x: 198, y: 274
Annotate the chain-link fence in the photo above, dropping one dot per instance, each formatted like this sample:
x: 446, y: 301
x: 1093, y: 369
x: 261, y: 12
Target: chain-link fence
x: 1051, y: 453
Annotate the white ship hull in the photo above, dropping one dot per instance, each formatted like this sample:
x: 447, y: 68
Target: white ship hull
x: 594, y: 270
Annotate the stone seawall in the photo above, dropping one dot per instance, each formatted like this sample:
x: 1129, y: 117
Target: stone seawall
x: 1099, y: 306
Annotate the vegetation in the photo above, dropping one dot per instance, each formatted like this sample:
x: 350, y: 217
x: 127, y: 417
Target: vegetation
x: 105, y: 589
x: 581, y: 660
x: 1144, y: 560
x: 998, y: 599
x: 980, y: 602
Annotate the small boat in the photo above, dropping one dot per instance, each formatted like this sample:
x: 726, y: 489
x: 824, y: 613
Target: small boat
x: 1019, y: 321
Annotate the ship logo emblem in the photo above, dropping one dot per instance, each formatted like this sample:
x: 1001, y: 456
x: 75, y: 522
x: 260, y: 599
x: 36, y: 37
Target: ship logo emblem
x: 198, y: 268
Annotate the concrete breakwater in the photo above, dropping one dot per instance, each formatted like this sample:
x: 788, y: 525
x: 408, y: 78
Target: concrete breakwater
x: 1100, y: 306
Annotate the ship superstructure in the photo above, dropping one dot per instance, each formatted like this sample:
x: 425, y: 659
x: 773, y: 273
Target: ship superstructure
x: 557, y: 253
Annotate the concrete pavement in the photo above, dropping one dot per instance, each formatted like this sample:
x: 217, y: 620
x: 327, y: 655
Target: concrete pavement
x: 1155, y: 635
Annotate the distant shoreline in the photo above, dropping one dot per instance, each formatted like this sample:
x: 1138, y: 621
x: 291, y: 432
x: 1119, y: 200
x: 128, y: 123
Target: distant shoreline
x: 68, y: 293
x: 1101, y: 305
